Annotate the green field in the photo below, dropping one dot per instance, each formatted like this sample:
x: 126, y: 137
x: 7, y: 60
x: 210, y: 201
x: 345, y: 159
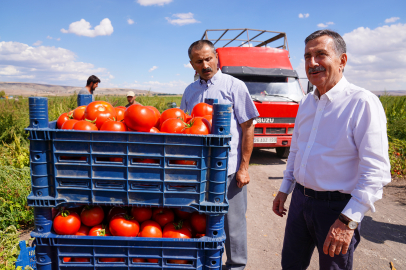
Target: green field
x: 15, y: 182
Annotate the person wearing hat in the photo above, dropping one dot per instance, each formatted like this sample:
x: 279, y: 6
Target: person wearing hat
x: 131, y: 99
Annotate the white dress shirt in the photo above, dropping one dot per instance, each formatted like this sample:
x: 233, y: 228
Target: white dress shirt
x: 340, y: 144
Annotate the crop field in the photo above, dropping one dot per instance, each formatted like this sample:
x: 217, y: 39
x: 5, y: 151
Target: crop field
x: 15, y: 180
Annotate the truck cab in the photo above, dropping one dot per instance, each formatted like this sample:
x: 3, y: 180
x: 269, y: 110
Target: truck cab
x: 271, y: 81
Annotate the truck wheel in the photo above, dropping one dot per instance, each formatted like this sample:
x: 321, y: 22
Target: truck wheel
x: 282, y: 152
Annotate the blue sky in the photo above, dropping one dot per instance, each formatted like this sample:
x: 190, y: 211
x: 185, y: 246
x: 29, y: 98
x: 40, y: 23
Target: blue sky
x: 143, y: 44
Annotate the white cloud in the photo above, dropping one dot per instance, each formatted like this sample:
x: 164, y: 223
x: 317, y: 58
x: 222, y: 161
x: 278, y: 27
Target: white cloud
x: 8, y: 71
x: 377, y: 57
x: 58, y: 39
x: 188, y: 65
x: 129, y: 21
x: 182, y: 19
x: 49, y: 37
x: 83, y: 28
x: 21, y: 62
x: 322, y: 25
x: 392, y: 20
x: 173, y: 87
x: 305, y: 15
x: 38, y: 43
x: 153, y: 68
x: 153, y: 2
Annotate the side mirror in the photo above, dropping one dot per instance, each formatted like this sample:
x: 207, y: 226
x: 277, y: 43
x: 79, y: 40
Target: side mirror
x: 309, y: 87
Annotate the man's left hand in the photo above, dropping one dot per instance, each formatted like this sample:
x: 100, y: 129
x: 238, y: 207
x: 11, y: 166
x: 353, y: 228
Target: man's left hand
x: 338, y: 239
x: 242, y: 177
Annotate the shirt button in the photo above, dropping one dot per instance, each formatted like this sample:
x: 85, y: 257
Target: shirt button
x: 314, y: 128
x: 319, y: 110
x: 302, y: 165
x: 308, y: 146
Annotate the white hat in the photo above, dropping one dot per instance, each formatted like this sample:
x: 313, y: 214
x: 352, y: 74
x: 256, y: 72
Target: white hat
x: 130, y: 94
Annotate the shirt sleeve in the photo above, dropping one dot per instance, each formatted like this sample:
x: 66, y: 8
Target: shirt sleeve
x: 370, y: 137
x: 288, y: 182
x: 244, y: 107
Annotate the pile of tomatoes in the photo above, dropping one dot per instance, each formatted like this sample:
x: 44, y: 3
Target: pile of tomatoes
x: 101, y: 115
x: 129, y: 222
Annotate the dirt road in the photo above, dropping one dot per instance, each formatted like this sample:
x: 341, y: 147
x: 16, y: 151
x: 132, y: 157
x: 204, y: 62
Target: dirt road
x: 383, y: 232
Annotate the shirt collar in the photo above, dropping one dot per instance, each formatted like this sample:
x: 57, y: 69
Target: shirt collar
x: 335, y: 91
x: 213, y: 80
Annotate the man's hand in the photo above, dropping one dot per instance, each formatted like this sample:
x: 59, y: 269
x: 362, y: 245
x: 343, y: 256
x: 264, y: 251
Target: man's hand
x: 279, y: 204
x: 242, y: 177
x: 338, y: 239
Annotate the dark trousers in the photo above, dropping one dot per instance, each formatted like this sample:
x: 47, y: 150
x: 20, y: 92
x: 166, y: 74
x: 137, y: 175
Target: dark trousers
x: 309, y: 221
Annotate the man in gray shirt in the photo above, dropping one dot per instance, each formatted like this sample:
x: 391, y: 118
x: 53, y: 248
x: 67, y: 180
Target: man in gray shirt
x: 91, y: 85
x: 212, y: 83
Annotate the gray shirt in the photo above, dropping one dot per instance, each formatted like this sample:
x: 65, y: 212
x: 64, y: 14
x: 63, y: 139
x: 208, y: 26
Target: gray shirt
x: 228, y: 90
x: 84, y: 91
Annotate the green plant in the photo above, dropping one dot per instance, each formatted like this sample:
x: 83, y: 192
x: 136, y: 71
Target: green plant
x: 15, y: 186
x: 9, y: 248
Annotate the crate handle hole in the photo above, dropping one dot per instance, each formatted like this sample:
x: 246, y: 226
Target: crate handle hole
x: 221, y: 129
x: 215, y: 233
x: 213, y: 262
x: 37, y: 157
x: 40, y: 228
x: 219, y: 164
x: 217, y: 200
x: 183, y: 162
x: 39, y: 193
x: 35, y: 122
x: 146, y: 160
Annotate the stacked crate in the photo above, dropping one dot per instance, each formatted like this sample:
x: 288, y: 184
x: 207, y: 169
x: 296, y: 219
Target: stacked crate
x: 71, y: 168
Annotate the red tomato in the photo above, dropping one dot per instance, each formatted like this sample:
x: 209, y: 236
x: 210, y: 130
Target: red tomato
x: 201, y: 109
x: 83, y: 230
x: 113, y: 126
x: 67, y: 259
x: 200, y: 235
x: 120, y: 110
x: 163, y: 216
x: 150, y: 228
x: 146, y: 160
x: 110, y: 260
x: 92, y: 215
x: 154, y: 130
x: 198, y: 222
x: 99, y: 230
x: 84, y: 125
x: 178, y: 261
x: 141, y: 214
x: 62, y: 119
x: 182, y: 214
x: 188, y: 117
x: 138, y: 260
x: 176, y: 230
x: 139, y: 118
x: 69, y: 124
x: 114, y: 211
x: 172, y: 113
x: 198, y: 125
x: 79, y: 113
x: 173, y: 125
x: 80, y: 260
x: 186, y: 224
x: 183, y: 162
x: 123, y: 225
x: 157, y: 114
x: 100, y: 111
x: 66, y: 223
x: 153, y: 260
x: 209, y: 118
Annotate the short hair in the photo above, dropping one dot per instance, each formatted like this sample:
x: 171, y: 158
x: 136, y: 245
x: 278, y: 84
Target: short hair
x: 92, y: 79
x: 198, y: 45
x: 339, y: 44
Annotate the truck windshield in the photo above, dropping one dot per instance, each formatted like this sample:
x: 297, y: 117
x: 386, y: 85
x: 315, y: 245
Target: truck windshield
x: 264, y: 88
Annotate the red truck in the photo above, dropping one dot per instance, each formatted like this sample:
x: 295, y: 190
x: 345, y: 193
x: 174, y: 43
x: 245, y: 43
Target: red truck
x: 272, y: 82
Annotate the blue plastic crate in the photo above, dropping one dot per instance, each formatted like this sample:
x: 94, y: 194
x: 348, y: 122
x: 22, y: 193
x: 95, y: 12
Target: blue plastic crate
x: 77, y: 166
x: 202, y: 253
x: 26, y: 256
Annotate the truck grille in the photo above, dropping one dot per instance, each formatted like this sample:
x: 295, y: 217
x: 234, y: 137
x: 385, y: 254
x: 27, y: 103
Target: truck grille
x: 275, y: 130
x: 258, y: 130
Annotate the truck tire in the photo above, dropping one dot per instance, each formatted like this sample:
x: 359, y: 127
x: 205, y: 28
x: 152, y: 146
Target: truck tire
x: 282, y: 152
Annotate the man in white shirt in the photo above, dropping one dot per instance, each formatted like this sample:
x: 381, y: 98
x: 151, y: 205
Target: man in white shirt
x: 338, y: 161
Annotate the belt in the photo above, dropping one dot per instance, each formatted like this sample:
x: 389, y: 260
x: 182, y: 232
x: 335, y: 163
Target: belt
x: 323, y: 195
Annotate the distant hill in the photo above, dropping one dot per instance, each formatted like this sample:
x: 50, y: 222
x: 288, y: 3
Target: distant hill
x: 32, y: 89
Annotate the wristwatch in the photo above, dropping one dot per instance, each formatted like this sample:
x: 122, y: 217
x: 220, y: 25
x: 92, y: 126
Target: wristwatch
x: 349, y: 222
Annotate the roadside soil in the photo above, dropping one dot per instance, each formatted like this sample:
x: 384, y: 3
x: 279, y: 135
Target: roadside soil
x: 383, y: 232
